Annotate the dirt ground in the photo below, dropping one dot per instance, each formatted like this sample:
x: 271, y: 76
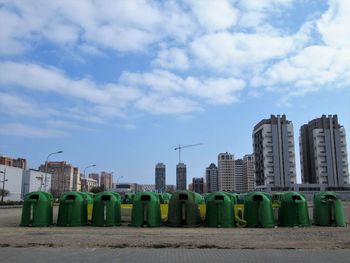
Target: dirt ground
x: 119, y: 237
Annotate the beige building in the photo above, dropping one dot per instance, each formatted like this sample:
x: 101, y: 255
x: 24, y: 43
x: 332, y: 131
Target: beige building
x: 64, y: 178
x: 88, y: 183
x: 248, y: 172
x: 226, y: 172
x: 106, y: 180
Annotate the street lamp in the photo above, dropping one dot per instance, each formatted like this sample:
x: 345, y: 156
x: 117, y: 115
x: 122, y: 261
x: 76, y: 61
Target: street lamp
x: 119, y: 177
x: 92, y: 165
x: 3, y: 184
x: 47, y: 159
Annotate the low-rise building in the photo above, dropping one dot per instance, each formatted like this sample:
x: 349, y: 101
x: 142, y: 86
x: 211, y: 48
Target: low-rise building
x: 33, y: 180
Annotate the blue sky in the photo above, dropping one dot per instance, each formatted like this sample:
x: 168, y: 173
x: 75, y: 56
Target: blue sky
x: 119, y: 84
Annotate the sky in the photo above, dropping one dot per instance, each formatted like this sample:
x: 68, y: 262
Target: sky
x: 120, y: 84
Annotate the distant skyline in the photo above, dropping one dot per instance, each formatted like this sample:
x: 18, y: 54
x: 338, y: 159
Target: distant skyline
x: 120, y: 84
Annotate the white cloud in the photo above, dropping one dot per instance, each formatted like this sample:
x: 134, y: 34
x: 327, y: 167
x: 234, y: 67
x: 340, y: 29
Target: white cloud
x: 334, y: 24
x: 210, y: 90
x: 226, y: 52
x: 16, y: 106
x: 29, y: 131
x: 44, y: 79
x: 172, y: 58
x: 214, y: 15
x: 323, y: 65
x: 157, y: 104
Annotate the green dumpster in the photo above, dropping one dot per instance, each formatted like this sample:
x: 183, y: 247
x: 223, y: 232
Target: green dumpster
x: 37, y: 209
x: 258, y: 210
x: 183, y: 209
x: 164, y: 198
x: 73, y: 209
x: 293, y: 210
x: 128, y: 198
x: 328, y: 210
x: 219, y: 210
x: 106, y: 210
x: 146, y: 210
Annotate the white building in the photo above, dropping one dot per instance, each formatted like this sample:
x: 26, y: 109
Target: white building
x: 226, y: 171
x: 273, y: 143
x: 323, y: 153
x: 13, y: 184
x: 239, y: 176
x: 33, y: 180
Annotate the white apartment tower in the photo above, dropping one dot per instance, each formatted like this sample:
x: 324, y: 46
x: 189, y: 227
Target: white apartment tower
x: 273, y: 143
x: 226, y: 172
x: 323, y: 154
x: 239, y: 185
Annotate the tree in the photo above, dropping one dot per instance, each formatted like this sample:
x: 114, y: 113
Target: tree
x: 97, y: 189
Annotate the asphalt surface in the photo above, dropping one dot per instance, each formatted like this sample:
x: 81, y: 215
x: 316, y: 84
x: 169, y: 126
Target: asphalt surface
x: 170, y: 255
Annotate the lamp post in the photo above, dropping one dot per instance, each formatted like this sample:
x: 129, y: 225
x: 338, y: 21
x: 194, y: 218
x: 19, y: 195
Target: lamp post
x: 92, y: 165
x: 3, y: 184
x: 118, y: 178
x: 47, y: 159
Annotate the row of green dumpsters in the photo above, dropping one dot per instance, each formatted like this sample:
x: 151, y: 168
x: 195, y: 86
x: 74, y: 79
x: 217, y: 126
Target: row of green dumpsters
x: 184, y: 208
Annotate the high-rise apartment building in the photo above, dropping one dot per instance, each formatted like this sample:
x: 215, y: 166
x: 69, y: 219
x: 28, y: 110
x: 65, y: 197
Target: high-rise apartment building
x: 76, y: 180
x: 239, y: 185
x: 323, y: 154
x: 160, y: 178
x: 211, y: 175
x: 198, y: 185
x: 19, y: 162
x: 62, y: 179
x: 181, y: 174
x: 106, y: 180
x: 226, y: 172
x: 248, y: 172
x: 273, y: 143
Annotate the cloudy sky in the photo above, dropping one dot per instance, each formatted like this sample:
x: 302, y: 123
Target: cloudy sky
x: 120, y: 83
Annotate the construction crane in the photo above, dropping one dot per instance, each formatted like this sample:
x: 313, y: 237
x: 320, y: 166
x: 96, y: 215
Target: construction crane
x: 185, y: 146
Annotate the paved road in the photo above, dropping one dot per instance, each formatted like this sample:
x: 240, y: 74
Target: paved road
x: 170, y: 255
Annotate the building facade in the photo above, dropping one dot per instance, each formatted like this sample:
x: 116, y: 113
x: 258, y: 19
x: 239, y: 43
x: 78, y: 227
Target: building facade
x: 181, y: 176
x: 211, y: 176
x: 248, y: 172
x: 273, y: 143
x: 160, y: 177
x: 226, y: 172
x: 323, y: 152
x: 87, y: 184
x: 96, y: 177
x: 198, y: 185
x: 33, y: 180
x: 13, y: 182
x: 62, y: 176
x: 106, y: 180
x: 239, y: 184
x: 19, y: 162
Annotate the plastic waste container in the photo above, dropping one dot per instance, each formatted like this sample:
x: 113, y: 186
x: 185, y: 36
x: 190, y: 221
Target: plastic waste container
x: 183, y: 209
x: 328, y: 210
x: 73, y: 209
x: 258, y: 210
x: 146, y: 210
x: 219, y: 210
x: 37, y: 209
x: 106, y: 210
x: 293, y: 210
